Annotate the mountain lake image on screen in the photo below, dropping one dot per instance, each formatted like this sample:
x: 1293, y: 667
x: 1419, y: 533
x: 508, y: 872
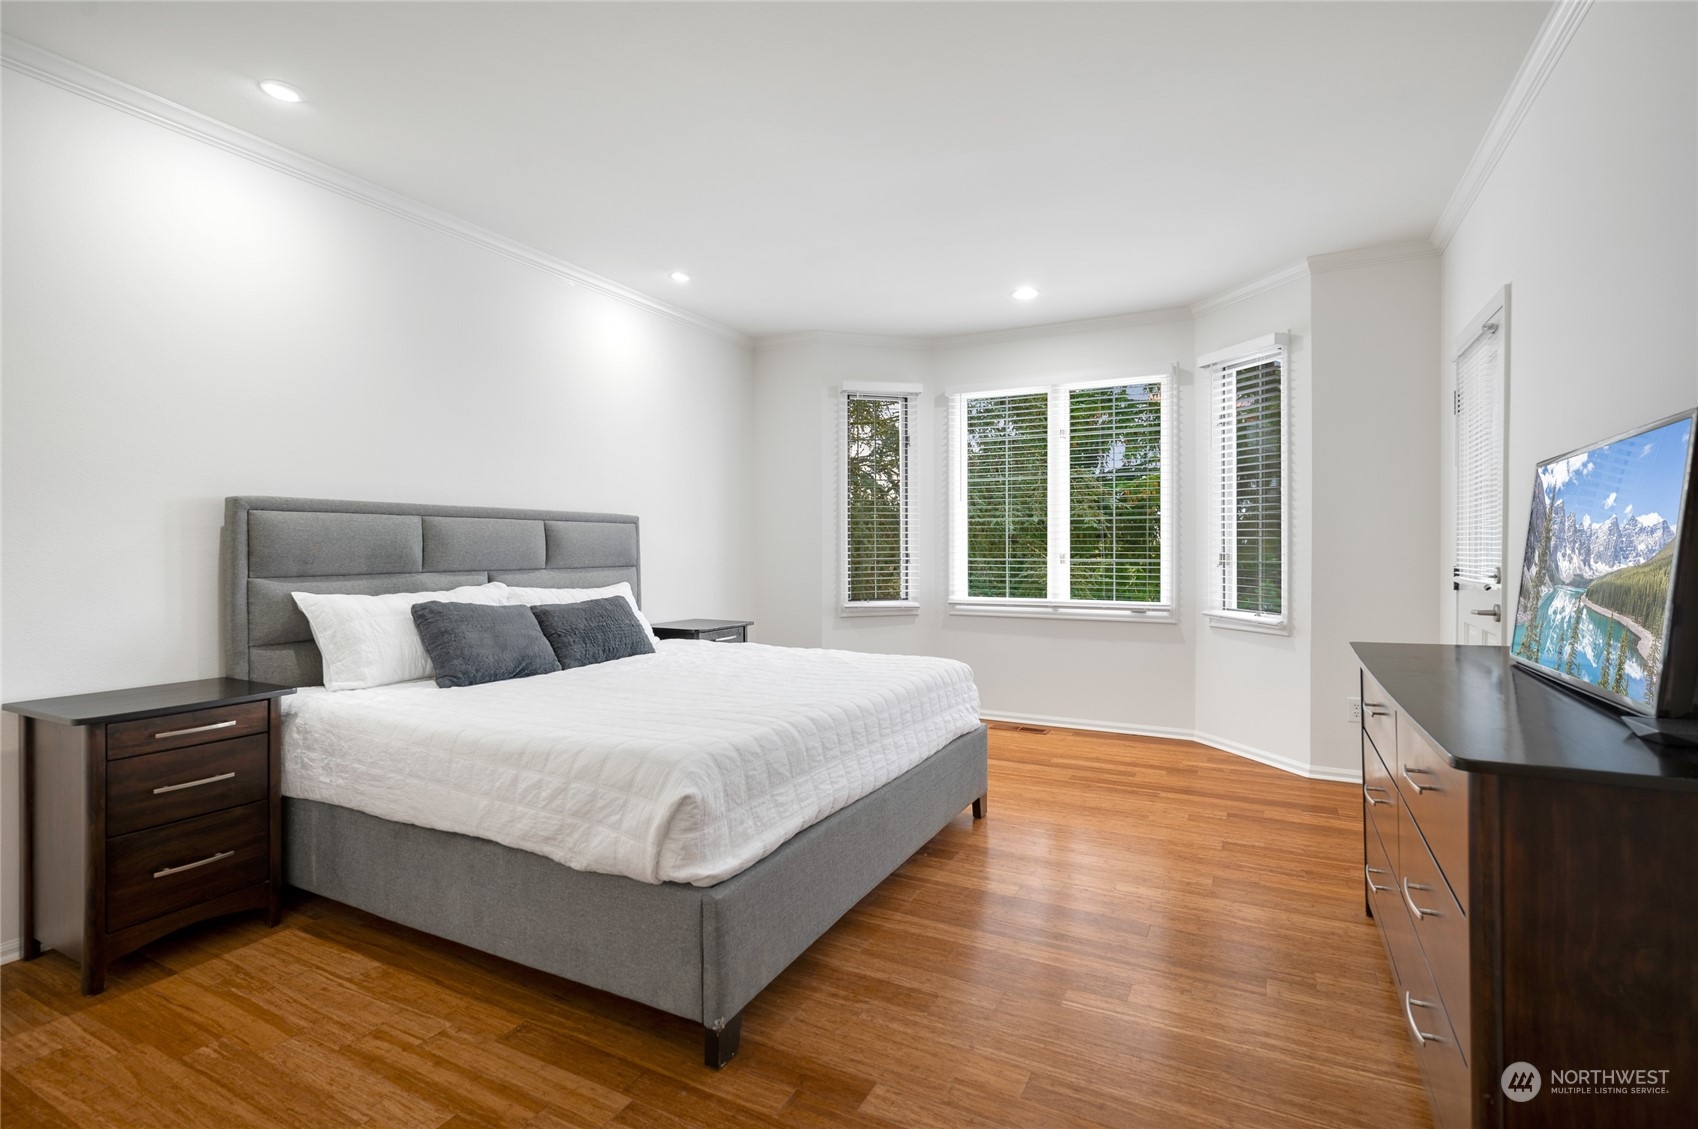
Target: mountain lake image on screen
x: 1596, y: 577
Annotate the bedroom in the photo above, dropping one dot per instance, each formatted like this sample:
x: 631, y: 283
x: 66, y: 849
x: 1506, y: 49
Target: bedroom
x: 406, y: 289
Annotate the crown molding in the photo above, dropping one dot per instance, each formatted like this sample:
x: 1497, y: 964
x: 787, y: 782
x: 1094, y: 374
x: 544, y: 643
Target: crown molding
x: 27, y: 59
x: 1250, y: 289
x: 1548, y: 45
x: 1373, y: 256
x: 1062, y: 328
x: 829, y: 337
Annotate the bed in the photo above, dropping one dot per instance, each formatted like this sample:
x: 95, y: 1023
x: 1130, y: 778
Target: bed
x: 701, y: 951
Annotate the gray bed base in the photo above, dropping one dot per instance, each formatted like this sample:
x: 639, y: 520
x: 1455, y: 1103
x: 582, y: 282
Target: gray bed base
x: 698, y: 952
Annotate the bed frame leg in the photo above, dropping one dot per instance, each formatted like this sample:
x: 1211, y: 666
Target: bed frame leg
x: 981, y: 805
x: 720, y: 1047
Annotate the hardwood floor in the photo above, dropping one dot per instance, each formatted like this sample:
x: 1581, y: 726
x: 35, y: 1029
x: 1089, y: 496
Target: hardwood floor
x: 1142, y: 933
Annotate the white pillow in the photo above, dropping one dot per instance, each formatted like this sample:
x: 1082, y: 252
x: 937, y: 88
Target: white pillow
x: 534, y: 596
x: 371, y: 640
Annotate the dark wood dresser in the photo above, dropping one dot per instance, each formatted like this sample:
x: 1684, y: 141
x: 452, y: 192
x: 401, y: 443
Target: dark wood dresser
x: 1533, y: 870
x: 146, y: 810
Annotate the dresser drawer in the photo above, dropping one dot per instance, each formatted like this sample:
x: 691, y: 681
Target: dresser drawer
x: 1379, y: 718
x: 1437, y: 795
x: 1379, y: 797
x: 1383, y: 892
x: 174, y: 731
x: 1441, y: 928
x: 155, y: 872
x: 159, y: 788
x: 1427, y: 1021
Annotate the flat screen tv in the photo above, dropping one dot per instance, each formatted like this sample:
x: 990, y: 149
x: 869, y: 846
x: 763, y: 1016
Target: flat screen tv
x: 1609, y: 548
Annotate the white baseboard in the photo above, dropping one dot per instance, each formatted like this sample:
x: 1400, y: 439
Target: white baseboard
x: 1275, y: 760
x: 10, y: 950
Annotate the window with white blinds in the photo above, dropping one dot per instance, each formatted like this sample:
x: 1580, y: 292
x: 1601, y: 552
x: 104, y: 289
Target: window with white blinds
x: 1061, y: 499
x: 1250, y: 456
x: 1477, y: 406
x: 875, y: 438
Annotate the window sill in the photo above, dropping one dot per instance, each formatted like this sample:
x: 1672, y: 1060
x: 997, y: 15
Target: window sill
x: 880, y: 608
x: 1243, y: 621
x: 1040, y: 609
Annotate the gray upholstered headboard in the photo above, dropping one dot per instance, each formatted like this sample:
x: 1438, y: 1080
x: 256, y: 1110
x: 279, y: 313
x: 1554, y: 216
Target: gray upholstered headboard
x: 275, y: 546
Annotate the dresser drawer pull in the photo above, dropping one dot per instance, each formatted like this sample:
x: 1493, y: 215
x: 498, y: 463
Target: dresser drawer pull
x: 1413, y: 908
x: 1416, y: 784
x: 1371, y: 871
x: 194, y: 729
x: 1421, y: 1036
x: 1367, y: 789
x: 729, y: 637
x: 191, y: 865
x: 194, y: 783
x: 1377, y: 709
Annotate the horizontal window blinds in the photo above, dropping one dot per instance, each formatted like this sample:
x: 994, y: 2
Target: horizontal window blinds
x: 1478, y: 410
x: 876, y: 559
x: 1059, y: 498
x: 1250, y: 441
x: 1006, y: 456
x: 1114, y: 438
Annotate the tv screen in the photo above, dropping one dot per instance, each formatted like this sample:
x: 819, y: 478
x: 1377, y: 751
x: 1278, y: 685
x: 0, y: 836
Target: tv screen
x: 1599, y: 569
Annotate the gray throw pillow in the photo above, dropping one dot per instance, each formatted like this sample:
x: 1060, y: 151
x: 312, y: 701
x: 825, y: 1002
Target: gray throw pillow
x: 473, y: 643
x: 593, y: 631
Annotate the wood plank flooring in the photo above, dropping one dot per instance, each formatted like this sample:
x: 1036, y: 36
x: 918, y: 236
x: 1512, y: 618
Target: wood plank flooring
x: 1142, y: 933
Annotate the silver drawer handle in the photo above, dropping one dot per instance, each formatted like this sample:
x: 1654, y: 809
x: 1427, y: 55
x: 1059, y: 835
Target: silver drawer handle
x: 1371, y: 871
x: 1377, y: 709
x: 195, y: 783
x: 1365, y: 795
x: 1415, y: 909
x: 195, y: 729
x: 191, y: 865
x: 1421, y: 1037
x: 1416, y: 784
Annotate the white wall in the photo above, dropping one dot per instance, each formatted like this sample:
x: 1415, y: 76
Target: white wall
x: 181, y: 324
x: 1251, y: 687
x: 1376, y: 446
x: 1107, y: 673
x: 1132, y: 675
x: 1590, y: 218
x: 1361, y: 499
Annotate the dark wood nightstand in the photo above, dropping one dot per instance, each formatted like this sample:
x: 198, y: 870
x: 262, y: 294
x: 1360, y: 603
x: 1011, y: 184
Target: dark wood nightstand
x: 708, y: 630
x: 146, y: 810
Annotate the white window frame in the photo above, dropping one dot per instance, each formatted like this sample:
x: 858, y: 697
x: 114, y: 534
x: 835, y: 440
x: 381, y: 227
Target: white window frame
x: 1488, y: 328
x: 1057, y: 604
x: 1224, y: 365
x: 910, y: 393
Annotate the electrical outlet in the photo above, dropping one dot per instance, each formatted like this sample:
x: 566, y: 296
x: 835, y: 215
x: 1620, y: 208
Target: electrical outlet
x: 1354, y: 706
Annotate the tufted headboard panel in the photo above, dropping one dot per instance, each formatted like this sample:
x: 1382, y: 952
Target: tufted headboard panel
x: 275, y: 546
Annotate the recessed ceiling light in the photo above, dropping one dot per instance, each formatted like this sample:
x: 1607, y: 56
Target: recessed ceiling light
x: 679, y: 276
x: 1024, y: 293
x: 281, y: 91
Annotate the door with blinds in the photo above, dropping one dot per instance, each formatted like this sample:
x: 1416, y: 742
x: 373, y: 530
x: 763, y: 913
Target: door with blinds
x: 1479, y: 404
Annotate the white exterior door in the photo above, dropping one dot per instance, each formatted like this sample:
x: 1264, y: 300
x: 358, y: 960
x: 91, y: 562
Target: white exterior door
x: 1479, y: 406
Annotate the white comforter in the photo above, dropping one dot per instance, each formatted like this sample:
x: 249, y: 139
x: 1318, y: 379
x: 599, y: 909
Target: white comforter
x: 687, y: 765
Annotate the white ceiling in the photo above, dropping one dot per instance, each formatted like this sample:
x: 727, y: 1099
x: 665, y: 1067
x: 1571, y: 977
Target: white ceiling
x: 864, y: 168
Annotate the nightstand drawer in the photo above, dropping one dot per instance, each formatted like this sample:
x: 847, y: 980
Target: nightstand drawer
x: 174, y: 731
x: 155, y: 872
x: 147, y: 791
x: 731, y: 635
